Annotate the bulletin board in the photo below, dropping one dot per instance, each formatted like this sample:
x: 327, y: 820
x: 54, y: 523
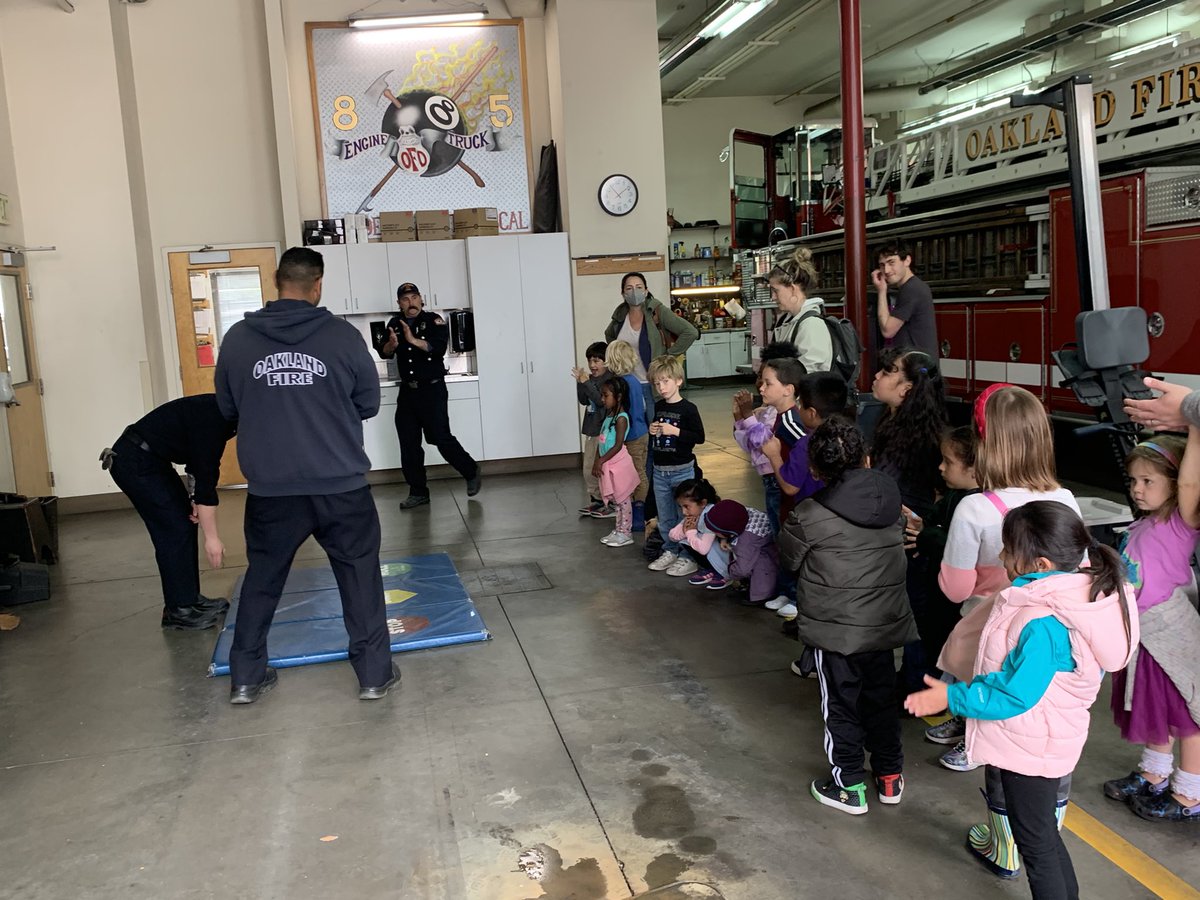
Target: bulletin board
x: 422, y: 117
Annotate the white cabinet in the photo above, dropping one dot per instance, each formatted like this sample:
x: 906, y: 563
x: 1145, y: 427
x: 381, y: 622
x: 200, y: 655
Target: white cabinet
x: 371, y: 289
x: 448, y: 286
x: 524, y: 322
x: 335, y: 287
x: 717, y: 354
x: 406, y: 262
x: 379, y: 433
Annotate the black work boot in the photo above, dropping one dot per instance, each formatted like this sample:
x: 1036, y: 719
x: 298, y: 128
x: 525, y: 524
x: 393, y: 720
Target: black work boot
x: 189, y: 618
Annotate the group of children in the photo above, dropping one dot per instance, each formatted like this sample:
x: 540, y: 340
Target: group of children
x: 960, y: 546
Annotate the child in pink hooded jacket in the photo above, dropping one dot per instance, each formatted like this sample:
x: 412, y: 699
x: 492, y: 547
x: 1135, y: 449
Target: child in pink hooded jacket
x: 1042, y: 655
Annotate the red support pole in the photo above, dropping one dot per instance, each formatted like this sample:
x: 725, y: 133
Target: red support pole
x: 854, y: 172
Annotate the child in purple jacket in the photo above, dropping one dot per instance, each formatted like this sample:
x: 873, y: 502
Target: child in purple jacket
x: 746, y: 534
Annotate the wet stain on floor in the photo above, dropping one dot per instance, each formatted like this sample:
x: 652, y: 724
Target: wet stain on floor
x: 582, y: 881
x: 698, y: 844
x: 641, y: 755
x: 655, y: 770
x: 664, y: 813
x: 665, y: 869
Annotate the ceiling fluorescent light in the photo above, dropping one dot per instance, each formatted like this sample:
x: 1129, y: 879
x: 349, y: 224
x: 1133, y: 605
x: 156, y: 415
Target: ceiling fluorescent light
x: 430, y: 19
x: 679, y: 56
x: 733, y: 17
x: 1171, y: 39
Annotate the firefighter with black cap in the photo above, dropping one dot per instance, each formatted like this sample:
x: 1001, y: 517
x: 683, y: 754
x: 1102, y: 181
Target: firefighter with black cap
x: 418, y: 339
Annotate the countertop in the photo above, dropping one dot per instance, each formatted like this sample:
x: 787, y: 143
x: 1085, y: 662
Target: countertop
x: 450, y: 379
x: 704, y: 331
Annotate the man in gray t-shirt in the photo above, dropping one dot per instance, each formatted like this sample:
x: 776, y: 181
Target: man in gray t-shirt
x: 904, y: 308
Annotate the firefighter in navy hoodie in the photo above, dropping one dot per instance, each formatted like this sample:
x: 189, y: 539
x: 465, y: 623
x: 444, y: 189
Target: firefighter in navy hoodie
x: 300, y: 381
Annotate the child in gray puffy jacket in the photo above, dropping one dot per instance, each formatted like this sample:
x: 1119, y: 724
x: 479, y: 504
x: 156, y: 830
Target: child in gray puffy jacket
x: 845, y: 543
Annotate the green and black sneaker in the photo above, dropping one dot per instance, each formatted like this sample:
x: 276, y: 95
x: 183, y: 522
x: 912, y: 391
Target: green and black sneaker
x: 851, y: 799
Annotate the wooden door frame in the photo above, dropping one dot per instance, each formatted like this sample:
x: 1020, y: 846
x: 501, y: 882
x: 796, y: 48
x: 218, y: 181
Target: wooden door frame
x: 34, y: 365
x: 166, y: 309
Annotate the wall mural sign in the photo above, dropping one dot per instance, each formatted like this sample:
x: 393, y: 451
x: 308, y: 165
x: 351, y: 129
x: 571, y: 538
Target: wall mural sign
x: 3, y: 210
x: 424, y: 117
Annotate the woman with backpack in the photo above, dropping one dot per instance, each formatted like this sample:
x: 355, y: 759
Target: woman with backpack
x: 802, y: 320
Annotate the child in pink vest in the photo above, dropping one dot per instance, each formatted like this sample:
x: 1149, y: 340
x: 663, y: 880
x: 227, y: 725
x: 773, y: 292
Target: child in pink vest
x: 1042, y: 655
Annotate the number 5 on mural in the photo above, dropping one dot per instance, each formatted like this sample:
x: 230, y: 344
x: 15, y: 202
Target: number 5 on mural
x: 498, y: 103
x: 344, y: 116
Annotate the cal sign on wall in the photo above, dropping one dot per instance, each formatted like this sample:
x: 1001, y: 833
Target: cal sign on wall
x: 426, y: 117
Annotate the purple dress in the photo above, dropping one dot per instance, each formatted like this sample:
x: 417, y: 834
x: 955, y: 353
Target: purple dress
x: 1158, y: 555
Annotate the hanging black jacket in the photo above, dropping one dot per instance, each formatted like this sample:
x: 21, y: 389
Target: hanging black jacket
x: 845, y: 543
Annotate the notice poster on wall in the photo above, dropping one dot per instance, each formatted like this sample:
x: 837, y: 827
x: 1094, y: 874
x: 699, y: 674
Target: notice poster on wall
x: 422, y: 117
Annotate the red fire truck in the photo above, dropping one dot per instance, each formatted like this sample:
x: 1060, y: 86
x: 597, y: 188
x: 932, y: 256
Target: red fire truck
x: 983, y: 204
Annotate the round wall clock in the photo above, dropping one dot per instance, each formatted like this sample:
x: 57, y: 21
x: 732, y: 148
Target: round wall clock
x: 618, y: 195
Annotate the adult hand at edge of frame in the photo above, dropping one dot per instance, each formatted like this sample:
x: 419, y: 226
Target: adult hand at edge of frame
x: 1163, y: 413
x: 214, y: 550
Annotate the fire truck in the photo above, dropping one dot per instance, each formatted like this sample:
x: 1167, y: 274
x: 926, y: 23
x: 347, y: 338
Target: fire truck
x: 984, y: 204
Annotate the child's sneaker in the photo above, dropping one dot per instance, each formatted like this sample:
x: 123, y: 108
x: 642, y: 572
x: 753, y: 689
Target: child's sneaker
x: 1133, y: 785
x: 590, y: 509
x: 619, y: 540
x: 606, y: 511
x: 665, y: 560
x: 607, y: 539
x: 717, y: 583
x: 778, y: 602
x: 949, y: 732
x: 787, y: 611
x: 957, y: 759
x: 682, y: 566
x: 851, y: 800
x: 701, y: 578
x: 890, y: 788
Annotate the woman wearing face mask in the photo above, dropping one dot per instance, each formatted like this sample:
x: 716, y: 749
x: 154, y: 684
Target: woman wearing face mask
x: 638, y: 310
x: 790, y: 283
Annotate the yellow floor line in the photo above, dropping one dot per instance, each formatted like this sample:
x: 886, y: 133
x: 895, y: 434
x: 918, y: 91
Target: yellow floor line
x: 1149, y: 873
x: 936, y: 720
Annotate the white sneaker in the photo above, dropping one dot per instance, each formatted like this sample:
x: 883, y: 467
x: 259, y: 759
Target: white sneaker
x: 608, y: 538
x: 619, y: 540
x: 682, y: 566
x: 665, y: 561
x: 787, y: 611
x: 777, y: 603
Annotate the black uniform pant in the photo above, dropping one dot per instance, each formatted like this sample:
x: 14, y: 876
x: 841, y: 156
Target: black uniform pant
x: 858, y: 704
x: 424, y: 409
x: 1031, y: 804
x: 157, y: 493
x: 347, y: 528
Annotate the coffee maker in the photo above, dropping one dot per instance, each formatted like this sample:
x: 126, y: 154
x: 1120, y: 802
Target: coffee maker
x: 462, y: 330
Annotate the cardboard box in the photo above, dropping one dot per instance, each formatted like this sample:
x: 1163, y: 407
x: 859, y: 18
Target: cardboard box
x: 434, y: 225
x: 397, y: 226
x: 478, y: 221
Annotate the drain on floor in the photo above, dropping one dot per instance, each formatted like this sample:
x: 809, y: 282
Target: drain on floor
x: 512, y: 579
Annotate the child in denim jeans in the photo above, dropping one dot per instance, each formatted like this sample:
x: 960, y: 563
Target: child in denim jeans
x: 675, y: 429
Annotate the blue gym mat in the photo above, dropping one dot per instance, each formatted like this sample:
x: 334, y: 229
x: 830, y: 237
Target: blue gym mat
x: 427, y: 606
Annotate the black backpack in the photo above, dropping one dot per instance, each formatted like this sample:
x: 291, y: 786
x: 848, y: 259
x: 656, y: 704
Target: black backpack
x: 847, y: 347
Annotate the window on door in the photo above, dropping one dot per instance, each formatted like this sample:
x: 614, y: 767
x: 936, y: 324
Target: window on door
x: 14, y: 328
x: 235, y: 292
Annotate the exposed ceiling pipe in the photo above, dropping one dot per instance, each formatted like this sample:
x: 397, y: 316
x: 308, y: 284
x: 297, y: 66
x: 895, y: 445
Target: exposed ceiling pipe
x: 822, y: 85
x: 1027, y: 48
x: 879, y: 101
x: 66, y: 6
x: 749, y: 50
x: 498, y: 9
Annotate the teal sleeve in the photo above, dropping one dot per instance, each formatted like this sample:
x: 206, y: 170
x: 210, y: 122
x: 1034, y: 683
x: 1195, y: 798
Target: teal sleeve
x: 1043, y: 649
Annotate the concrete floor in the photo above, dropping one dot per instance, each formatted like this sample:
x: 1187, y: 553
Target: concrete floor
x: 622, y: 730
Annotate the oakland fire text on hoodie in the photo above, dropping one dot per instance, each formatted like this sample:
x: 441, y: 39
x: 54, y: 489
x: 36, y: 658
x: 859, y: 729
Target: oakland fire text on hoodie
x: 299, y: 381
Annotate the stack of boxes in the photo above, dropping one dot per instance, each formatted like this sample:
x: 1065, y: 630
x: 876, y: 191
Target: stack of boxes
x: 422, y: 225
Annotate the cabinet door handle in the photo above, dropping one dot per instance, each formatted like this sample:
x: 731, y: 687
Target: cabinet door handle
x: 522, y: 368
x: 531, y: 367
